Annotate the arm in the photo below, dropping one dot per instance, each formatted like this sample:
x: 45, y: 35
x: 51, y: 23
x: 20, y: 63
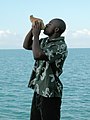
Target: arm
x: 37, y: 52
x: 28, y: 41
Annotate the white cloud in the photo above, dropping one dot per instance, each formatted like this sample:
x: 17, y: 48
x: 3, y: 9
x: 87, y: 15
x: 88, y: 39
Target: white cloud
x: 81, y: 32
x: 74, y: 39
x: 10, y: 40
x: 6, y: 33
x: 78, y: 39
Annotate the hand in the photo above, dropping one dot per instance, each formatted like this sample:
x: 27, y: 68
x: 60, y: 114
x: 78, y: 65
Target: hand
x: 36, y: 29
x: 31, y: 33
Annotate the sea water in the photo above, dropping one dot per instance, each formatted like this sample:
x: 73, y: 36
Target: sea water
x: 16, y: 97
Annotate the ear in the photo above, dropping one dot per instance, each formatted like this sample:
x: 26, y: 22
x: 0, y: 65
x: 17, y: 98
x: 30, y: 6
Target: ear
x: 56, y: 29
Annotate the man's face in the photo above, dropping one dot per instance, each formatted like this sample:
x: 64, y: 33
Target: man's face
x: 50, y: 27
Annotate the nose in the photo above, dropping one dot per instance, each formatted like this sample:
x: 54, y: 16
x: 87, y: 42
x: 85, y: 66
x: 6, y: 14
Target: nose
x: 46, y: 25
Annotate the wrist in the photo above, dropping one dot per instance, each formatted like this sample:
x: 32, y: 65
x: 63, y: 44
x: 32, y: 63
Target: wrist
x: 36, y: 36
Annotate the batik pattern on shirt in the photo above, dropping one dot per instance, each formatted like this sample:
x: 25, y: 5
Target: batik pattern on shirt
x: 45, y: 75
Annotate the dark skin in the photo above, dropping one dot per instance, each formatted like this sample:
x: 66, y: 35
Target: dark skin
x: 52, y: 29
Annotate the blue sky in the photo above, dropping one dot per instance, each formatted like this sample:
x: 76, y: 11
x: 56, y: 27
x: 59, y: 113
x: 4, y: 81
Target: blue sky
x: 15, y: 23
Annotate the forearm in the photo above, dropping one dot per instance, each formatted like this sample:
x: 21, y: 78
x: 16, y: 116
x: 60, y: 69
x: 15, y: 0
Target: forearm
x: 37, y: 51
x: 35, y: 47
x: 28, y: 40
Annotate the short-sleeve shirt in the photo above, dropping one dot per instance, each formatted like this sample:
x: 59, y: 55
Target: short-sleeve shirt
x: 45, y: 74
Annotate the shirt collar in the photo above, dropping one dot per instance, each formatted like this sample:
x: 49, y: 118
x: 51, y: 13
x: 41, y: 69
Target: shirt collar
x: 55, y: 39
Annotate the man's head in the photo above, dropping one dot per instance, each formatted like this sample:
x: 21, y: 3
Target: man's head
x: 55, y: 27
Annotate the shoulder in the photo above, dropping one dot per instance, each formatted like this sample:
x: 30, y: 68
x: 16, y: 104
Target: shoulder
x: 43, y: 39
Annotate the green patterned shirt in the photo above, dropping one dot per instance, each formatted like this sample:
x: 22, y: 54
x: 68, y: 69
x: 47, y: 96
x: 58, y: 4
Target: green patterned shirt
x: 45, y: 74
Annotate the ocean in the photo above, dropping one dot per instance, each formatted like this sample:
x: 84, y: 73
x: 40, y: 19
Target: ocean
x: 15, y: 97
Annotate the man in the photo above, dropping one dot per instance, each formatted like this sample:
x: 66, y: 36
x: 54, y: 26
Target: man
x: 49, y: 54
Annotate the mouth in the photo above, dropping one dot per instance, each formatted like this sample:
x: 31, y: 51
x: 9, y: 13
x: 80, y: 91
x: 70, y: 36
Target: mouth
x: 44, y: 27
x: 44, y: 30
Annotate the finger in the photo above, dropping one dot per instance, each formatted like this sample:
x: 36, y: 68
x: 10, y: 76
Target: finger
x: 33, y: 27
x: 38, y: 24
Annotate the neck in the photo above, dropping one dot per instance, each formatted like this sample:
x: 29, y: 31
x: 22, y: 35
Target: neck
x: 54, y: 36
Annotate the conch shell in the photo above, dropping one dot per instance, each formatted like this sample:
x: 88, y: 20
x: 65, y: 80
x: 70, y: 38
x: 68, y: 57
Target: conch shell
x: 33, y: 20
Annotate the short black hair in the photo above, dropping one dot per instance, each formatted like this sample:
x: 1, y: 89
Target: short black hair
x: 61, y: 25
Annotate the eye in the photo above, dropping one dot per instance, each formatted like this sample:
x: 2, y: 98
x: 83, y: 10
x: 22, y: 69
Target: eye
x: 48, y: 24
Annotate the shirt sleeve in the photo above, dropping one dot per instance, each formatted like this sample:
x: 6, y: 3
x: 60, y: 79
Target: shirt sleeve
x: 56, y: 51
